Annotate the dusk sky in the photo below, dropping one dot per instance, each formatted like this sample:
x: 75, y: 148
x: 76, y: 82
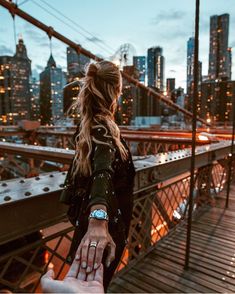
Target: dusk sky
x: 107, y: 24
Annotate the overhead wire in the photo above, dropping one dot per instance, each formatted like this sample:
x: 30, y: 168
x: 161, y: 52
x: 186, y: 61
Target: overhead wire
x: 75, y: 23
x: 67, y: 24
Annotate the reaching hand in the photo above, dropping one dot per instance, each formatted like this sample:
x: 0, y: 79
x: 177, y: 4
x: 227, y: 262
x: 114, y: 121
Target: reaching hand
x: 76, y: 281
x: 93, y: 244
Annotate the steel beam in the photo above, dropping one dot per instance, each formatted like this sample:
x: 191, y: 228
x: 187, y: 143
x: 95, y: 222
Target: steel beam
x: 27, y: 205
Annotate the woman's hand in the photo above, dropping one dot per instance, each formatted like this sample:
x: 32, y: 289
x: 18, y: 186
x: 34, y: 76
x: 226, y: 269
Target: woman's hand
x: 91, y: 248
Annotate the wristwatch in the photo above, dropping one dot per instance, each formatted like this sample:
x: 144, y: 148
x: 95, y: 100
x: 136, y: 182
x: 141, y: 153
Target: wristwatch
x: 99, y: 214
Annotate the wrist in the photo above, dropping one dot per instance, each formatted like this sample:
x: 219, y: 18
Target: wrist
x: 98, y: 206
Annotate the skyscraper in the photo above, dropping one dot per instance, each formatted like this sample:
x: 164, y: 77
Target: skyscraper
x: 219, y: 56
x: 21, y: 73
x: 140, y: 64
x: 156, y: 68
x: 5, y: 89
x: 76, y: 63
x: 190, y: 65
x: 35, y: 99
x: 15, y: 73
x: 170, y: 85
x: 52, y: 81
x: 128, y: 98
x: 215, y: 102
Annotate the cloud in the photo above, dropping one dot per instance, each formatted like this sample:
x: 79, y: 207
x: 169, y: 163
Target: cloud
x: 35, y: 35
x: 39, y: 67
x: 95, y: 40
x: 5, y: 50
x: 169, y: 16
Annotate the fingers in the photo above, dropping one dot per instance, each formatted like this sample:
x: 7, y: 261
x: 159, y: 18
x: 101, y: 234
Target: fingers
x: 96, y: 275
x: 91, y: 258
x: 90, y: 276
x: 99, y: 254
x: 74, y: 268
x: 82, y: 274
x: 99, y: 273
x: 111, y: 253
x: 84, y: 253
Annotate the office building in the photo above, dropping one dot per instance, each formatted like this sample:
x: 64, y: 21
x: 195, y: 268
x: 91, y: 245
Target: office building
x: 52, y: 81
x: 140, y: 64
x: 190, y: 66
x: 15, y: 73
x: 220, y: 53
x: 76, y: 63
x: 35, y: 98
x: 215, y: 101
x: 5, y: 90
x: 155, y: 65
x: 128, y: 99
x: 170, y: 85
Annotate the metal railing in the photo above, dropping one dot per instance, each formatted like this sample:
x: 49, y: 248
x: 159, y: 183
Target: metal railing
x: 160, y: 202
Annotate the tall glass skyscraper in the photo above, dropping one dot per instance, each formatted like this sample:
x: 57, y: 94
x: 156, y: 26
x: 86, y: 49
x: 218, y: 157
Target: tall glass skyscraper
x: 52, y: 81
x: 75, y: 63
x: 156, y: 68
x: 140, y: 64
x: 220, y: 53
x: 190, y: 66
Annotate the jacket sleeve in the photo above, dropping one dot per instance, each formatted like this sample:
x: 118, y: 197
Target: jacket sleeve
x: 102, y: 190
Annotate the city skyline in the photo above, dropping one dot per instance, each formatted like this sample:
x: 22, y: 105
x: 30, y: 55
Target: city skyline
x: 166, y: 16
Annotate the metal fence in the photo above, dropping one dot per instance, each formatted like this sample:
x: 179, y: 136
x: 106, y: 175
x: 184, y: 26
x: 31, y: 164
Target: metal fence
x: 160, y: 203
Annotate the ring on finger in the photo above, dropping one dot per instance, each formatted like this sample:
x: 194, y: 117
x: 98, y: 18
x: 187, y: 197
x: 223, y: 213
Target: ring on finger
x: 93, y: 244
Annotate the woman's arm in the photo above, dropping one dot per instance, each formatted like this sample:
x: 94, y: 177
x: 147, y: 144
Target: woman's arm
x: 101, y: 197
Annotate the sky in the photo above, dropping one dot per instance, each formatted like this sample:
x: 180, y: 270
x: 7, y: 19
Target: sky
x: 102, y: 26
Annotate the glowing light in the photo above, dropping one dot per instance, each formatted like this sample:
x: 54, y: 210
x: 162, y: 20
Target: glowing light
x: 202, y: 138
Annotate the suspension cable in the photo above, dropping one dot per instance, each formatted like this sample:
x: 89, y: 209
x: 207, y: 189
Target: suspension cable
x: 68, y: 25
x: 76, y: 24
x: 50, y: 31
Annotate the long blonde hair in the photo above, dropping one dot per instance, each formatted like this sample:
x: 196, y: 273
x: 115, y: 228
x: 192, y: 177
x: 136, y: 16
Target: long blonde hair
x: 97, y: 102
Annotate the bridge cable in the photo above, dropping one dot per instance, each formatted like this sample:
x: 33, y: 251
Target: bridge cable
x: 76, y: 24
x: 68, y: 25
x: 50, y: 30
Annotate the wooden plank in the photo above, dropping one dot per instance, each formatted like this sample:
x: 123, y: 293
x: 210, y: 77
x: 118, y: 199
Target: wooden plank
x: 177, y: 281
x: 201, y: 251
x: 205, y: 270
x: 196, y: 259
x: 197, y: 278
x: 208, y: 246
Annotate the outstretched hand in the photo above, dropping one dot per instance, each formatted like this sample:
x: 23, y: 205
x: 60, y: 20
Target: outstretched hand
x: 76, y: 281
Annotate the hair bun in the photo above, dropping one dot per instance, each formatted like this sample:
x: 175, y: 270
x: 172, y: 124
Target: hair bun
x: 92, y: 70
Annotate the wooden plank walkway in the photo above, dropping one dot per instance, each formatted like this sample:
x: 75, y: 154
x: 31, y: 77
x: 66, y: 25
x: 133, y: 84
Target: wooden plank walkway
x: 212, y: 259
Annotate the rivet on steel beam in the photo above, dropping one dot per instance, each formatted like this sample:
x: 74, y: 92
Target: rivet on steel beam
x: 4, y: 184
x: 63, y: 173
x: 37, y: 178
x: 7, y: 198
x: 51, y: 176
x: 61, y: 185
x: 22, y: 181
x: 46, y: 189
x: 27, y: 193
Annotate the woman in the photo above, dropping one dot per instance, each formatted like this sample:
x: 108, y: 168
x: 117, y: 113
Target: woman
x: 103, y: 173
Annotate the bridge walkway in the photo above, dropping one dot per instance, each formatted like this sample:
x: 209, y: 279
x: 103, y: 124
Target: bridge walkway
x: 212, y: 259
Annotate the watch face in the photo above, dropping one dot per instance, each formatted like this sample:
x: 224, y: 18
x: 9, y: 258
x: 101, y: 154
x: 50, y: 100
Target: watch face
x: 99, y: 214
